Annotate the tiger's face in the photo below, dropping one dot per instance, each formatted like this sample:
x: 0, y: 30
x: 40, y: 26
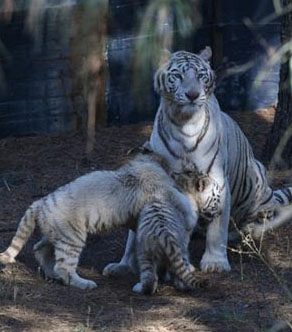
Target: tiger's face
x: 186, y: 80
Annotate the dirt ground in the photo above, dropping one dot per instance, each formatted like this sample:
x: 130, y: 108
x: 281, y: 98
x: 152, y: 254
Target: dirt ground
x: 252, y: 297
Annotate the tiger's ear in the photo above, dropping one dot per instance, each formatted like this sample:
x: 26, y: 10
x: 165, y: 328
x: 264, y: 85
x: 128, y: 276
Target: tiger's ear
x: 206, y: 53
x: 164, y: 56
x: 159, y: 63
x: 202, y: 183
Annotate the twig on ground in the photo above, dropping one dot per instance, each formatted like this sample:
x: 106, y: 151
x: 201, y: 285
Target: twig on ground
x: 6, y: 184
x: 250, y: 243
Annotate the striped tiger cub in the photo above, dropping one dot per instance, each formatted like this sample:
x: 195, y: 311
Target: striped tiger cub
x: 203, y: 190
x: 93, y: 203
x: 162, y: 241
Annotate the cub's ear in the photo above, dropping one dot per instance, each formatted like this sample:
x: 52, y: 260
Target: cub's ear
x: 206, y: 53
x: 202, y: 183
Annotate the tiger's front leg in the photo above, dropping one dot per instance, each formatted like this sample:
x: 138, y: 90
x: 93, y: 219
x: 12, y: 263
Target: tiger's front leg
x: 128, y: 263
x: 215, y: 255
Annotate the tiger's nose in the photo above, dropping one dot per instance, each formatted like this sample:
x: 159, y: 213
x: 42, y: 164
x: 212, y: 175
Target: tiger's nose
x: 192, y: 95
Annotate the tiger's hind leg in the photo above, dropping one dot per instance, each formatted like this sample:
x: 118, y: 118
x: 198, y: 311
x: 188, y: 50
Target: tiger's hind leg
x: 177, y: 281
x: 148, y: 277
x: 67, y: 257
x: 128, y: 263
x: 45, y: 255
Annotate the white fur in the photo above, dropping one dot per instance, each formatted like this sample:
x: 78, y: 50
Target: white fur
x: 94, y: 203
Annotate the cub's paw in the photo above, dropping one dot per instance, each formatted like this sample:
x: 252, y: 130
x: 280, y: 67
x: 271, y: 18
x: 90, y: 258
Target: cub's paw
x: 138, y: 288
x: 117, y: 270
x: 85, y: 284
x: 147, y: 288
x: 90, y: 284
x: 211, y: 263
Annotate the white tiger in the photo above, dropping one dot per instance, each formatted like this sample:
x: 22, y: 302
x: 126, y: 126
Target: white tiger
x: 93, y: 203
x: 190, y: 127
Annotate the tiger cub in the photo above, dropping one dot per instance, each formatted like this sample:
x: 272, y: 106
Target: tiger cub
x: 162, y: 242
x: 96, y: 202
x: 203, y: 190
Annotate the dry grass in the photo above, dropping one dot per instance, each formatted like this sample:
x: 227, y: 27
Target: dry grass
x: 247, y: 299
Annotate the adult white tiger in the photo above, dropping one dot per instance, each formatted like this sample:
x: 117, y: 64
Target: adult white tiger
x: 190, y: 128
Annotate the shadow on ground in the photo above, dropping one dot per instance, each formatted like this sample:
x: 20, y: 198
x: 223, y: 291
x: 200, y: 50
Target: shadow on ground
x: 247, y: 299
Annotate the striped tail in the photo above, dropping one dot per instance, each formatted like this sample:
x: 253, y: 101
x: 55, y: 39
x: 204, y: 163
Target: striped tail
x: 25, y: 229
x: 181, y: 266
x: 283, y: 195
x: 284, y: 215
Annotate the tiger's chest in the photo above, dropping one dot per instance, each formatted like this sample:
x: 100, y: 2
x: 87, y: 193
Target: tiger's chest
x: 184, y: 149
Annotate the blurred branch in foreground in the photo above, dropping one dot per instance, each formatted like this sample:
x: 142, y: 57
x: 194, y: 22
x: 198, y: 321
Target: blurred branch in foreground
x: 94, y: 71
x: 34, y: 15
x: 161, y: 22
x: 279, y: 143
x: 6, y: 10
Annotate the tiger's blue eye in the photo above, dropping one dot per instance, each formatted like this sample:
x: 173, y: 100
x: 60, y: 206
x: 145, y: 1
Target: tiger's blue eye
x: 200, y: 75
x: 178, y: 76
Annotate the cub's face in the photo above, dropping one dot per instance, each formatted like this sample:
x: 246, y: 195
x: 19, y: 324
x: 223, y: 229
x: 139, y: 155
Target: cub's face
x: 186, y: 80
x: 205, y: 190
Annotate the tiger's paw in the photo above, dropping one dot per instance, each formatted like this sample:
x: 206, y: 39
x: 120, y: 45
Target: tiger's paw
x: 148, y: 288
x: 214, y: 263
x: 117, y: 270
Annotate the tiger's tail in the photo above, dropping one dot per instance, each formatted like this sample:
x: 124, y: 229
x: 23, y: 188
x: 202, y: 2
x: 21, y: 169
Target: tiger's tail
x: 180, y: 265
x: 283, y: 196
x: 284, y: 215
x: 25, y: 229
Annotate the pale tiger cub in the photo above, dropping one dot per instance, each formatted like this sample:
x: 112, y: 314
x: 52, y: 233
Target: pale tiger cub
x: 93, y: 203
x: 162, y: 240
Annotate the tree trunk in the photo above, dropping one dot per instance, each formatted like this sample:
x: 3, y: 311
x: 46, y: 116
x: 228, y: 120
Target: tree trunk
x: 279, y: 142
